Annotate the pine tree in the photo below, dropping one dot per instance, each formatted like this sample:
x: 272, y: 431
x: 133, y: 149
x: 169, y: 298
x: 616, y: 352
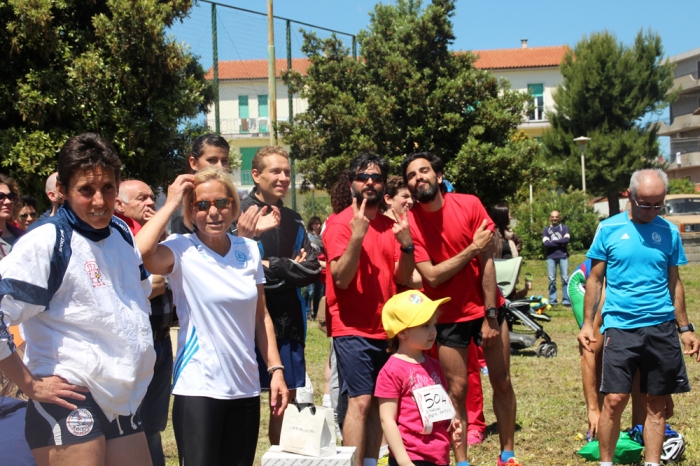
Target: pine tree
x: 607, y: 88
x: 408, y: 92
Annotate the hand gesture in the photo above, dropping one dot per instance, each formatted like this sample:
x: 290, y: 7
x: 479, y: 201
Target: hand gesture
x: 359, y: 223
x: 585, y: 337
x: 483, y: 238
x: 401, y: 229
x: 456, y: 429
x: 180, y: 186
x: 253, y: 222
x: 53, y: 389
x: 148, y: 214
x: 691, y: 345
x: 301, y: 257
x: 490, y: 332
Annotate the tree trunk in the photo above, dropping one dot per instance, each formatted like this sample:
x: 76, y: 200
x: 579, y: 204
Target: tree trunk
x: 613, y: 202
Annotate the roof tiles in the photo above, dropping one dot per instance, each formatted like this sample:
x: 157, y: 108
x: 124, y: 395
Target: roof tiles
x: 255, y: 69
x: 531, y: 57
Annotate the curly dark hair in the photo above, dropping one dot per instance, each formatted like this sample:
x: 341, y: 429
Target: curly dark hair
x: 86, y: 152
x: 341, y: 196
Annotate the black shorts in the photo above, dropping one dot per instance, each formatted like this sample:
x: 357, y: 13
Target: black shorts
x: 655, y: 351
x: 359, y: 362
x: 48, y: 424
x: 458, y: 335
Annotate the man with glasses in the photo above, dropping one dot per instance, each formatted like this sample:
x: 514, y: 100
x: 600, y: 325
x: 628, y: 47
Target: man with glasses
x: 367, y: 254
x: 289, y: 262
x: 638, y: 254
x: 556, y: 239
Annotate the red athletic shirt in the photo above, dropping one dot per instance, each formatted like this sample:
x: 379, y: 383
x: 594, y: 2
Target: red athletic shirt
x: 439, y: 236
x: 357, y: 310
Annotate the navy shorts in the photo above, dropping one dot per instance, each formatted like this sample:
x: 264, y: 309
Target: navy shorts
x: 292, y: 356
x: 48, y: 424
x: 359, y: 362
x: 655, y: 351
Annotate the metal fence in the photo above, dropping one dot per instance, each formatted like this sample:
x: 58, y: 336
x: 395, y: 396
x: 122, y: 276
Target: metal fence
x: 232, y: 44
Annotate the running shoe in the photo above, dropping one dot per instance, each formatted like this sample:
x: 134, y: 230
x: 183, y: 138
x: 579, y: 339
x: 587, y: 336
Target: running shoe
x: 475, y: 437
x: 510, y: 462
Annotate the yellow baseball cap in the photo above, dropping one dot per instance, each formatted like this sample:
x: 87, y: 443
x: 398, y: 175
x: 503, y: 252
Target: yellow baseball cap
x: 408, y: 309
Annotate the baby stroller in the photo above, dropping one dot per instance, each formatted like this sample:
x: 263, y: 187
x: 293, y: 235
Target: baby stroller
x: 522, y: 315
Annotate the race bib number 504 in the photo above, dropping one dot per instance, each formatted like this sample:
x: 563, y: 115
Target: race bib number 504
x: 434, y: 406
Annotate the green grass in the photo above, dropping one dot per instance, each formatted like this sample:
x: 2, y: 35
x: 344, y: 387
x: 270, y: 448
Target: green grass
x: 551, y: 411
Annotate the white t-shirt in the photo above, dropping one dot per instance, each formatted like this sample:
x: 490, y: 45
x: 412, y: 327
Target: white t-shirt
x: 216, y: 299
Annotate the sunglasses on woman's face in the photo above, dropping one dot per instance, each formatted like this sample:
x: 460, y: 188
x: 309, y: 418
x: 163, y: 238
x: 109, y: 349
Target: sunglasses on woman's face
x: 11, y: 196
x: 220, y: 203
x: 30, y: 214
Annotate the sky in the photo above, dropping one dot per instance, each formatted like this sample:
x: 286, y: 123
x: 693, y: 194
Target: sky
x: 498, y: 24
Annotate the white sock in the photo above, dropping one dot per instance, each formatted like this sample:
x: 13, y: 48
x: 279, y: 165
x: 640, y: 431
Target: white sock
x: 370, y: 462
x: 606, y: 463
x: 326, y: 400
x: 647, y: 463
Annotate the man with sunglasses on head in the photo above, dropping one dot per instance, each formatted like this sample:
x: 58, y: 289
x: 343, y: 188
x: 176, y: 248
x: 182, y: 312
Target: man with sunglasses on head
x: 289, y: 262
x: 367, y: 254
x: 638, y: 254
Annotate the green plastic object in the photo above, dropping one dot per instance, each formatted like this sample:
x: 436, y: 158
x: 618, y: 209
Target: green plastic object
x: 627, y: 451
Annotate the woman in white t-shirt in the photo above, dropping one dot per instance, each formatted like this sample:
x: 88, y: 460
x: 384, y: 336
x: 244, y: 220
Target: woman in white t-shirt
x: 217, y: 282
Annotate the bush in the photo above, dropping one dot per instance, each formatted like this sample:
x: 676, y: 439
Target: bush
x: 681, y: 186
x: 575, y: 214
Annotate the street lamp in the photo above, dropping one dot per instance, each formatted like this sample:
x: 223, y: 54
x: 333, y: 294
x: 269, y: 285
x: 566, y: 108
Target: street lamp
x: 582, y: 140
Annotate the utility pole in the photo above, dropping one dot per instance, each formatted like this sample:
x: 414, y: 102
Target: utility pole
x: 271, y: 73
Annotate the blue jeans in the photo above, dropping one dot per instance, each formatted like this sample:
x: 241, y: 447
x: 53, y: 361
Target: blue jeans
x: 552, y: 274
x: 155, y: 405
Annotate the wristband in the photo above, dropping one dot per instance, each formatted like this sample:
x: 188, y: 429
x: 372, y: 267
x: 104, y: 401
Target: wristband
x: 272, y: 369
x: 409, y: 249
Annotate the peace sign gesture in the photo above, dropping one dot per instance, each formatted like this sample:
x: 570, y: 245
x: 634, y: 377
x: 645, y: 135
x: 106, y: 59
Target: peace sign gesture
x: 401, y: 229
x: 359, y: 223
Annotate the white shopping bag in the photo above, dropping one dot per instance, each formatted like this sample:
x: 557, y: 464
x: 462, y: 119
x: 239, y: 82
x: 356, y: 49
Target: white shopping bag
x: 305, y: 394
x: 308, y: 430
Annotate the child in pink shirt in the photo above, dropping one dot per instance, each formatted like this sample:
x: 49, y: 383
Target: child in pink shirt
x: 409, y: 319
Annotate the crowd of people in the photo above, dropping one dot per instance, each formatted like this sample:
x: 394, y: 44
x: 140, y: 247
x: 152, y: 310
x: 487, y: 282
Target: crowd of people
x: 404, y: 268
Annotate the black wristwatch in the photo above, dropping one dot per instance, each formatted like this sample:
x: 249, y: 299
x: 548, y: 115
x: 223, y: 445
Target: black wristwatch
x: 492, y: 313
x: 408, y: 250
x: 686, y: 328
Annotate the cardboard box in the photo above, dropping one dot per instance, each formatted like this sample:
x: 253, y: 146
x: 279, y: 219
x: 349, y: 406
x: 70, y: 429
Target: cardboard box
x: 345, y: 456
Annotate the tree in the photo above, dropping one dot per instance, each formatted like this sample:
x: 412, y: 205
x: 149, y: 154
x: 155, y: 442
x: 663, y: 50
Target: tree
x: 107, y: 66
x: 409, y: 92
x: 607, y: 88
x: 681, y: 186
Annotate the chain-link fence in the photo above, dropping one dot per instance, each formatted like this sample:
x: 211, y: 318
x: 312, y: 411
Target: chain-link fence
x: 232, y: 44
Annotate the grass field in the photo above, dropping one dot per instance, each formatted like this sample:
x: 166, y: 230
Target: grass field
x: 551, y: 412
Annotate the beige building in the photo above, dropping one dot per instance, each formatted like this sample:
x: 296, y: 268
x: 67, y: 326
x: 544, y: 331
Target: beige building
x: 534, y: 70
x: 684, y: 128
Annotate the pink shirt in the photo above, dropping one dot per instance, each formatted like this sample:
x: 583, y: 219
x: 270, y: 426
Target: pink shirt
x: 397, y: 379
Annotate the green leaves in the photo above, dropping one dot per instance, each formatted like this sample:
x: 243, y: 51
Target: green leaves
x: 409, y: 92
x: 96, y: 65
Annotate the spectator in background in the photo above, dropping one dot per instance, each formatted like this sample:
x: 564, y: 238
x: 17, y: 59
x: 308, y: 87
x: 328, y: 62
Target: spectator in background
x: 397, y: 195
x: 207, y: 150
x: 53, y: 195
x: 317, y: 289
x: 555, y: 239
x: 27, y: 214
x: 9, y: 207
x: 135, y: 205
x: 506, y: 243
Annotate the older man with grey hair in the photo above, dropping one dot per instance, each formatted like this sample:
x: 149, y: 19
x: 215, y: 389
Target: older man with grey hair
x: 638, y: 253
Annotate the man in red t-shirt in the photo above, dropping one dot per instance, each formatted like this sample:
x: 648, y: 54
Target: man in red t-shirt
x: 367, y: 254
x: 453, y: 234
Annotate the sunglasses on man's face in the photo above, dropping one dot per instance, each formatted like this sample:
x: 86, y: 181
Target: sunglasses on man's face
x: 363, y: 177
x: 220, y: 203
x: 11, y: 196
x: 30, y: 214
